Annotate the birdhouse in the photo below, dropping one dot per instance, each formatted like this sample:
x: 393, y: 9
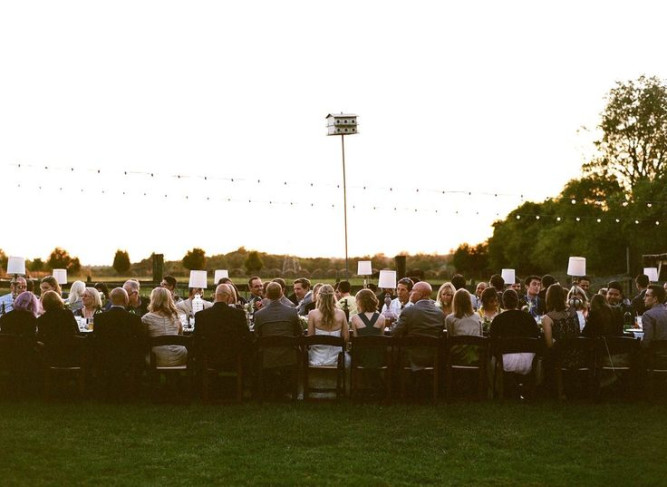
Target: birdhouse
x: 341, y: 124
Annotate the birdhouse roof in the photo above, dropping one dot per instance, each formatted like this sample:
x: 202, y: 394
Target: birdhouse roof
x: 340, y: 115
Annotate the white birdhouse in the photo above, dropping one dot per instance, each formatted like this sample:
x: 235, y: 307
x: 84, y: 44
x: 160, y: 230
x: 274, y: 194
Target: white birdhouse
x: 341, y: 124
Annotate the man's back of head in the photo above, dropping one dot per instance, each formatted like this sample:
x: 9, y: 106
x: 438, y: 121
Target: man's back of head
x: 274, y: 291
x: 344, y: 287
x: 223, y: 293
x: 642, y: 281
x: 497, y: 282
x: 118, y: 297
x: 510, y: 299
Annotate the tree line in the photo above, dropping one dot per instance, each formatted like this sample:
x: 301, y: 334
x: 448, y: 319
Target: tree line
x: 616, y: 209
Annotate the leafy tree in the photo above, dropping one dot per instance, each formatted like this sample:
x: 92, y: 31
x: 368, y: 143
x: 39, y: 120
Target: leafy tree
x: 37, y: 264
x: 194, y: 259
x: 253, y: 263
x: 74, y: 266
x: 121, y: 261
x: 634, y: 126
x: 3, y: 260
x: 58, y: 259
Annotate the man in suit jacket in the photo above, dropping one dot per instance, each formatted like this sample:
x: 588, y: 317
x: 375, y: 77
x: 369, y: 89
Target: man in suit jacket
x: 221, y: 329
x: 424, y: 318
x: 277, y: 319
x: 120, y: 341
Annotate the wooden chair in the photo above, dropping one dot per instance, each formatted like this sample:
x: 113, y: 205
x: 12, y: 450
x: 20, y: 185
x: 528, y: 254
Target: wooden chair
x: 221, y: 360
x: 418, y: 356
x: 616, y: 356
x: 65, y: 360
x: 175, y: 372
x: 581, y: 348
x: 338, y: 367
x: 509, y: 345
x: 118, y: 363
x: 18, y: 364
x: 371, y: 355
x: 482, y: 349
x: 656, y: 365
x: 269, y: 344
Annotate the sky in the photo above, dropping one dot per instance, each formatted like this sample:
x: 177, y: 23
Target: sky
x: 159, y: 126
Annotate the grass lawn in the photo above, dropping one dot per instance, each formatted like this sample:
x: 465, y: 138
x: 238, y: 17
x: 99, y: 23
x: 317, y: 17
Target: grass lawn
x: 332, y: 444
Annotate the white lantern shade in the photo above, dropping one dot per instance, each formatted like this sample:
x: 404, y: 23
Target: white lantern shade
x: 364, y: 268
x: 60, y: 275
x: 508, y: 275
x: 387, y: 279
x: 16, y: 265
x: 220, y: 274
x: 197, y: 280
x: 652, y: 273
x: 576, y: 266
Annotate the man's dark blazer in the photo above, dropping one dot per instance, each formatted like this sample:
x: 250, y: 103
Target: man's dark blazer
x: 120, y: 338
x: 278, y: 319
x: 422, y: 319
x: 219, y: 331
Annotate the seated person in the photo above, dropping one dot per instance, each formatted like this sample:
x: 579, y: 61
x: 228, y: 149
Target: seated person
x: 162, y: 319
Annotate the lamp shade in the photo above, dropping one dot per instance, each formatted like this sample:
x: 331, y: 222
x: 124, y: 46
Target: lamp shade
x: 576, y: 266
x: 652, y: 273
x: 60, y: 275
x: 387, y: 279
x: 508, y: 275
x: 197, y: 279
x: 16, y: 265
x: 220, y: 274
x: 364, y: 268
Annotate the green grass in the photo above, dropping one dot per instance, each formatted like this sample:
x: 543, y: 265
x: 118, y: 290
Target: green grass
x: 90, y: 443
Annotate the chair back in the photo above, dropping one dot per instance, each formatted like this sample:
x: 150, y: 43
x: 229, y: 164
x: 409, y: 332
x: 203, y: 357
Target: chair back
x: 162, y: 340
x: 480, y: 345
x: 518, y: 345
x: 608, y: 346
x: 278, y: 350
x: 371, y: 351
x: 657, y: 356
x: 574, y: 352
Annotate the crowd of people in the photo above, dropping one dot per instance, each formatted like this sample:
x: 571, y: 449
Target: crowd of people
x: 541, y: 307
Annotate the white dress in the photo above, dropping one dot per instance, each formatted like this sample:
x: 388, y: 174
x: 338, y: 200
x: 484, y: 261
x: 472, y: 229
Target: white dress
x: 166, y: 355
x: 324, y: 354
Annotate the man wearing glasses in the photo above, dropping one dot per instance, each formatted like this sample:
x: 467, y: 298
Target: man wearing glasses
x: 16, y: 287
x: 654, y: 319
x: 136, y: 305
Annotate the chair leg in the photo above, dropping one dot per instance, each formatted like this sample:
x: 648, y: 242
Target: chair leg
x: 559, y: 382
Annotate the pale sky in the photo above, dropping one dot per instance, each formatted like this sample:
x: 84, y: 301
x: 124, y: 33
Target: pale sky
x: 479, y: 97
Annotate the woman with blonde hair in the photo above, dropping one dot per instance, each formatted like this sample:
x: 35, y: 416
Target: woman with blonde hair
x: 76, y: 290
x: 92, y: 303
x: 463, y: 321
x: 326, y: 319
x: 162, y: 319
x: 445, y: 298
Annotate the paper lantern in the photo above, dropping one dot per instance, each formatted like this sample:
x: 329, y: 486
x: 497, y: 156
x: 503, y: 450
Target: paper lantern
x: 387, y: 279
x: 576, y: 266
x: 197, y: 280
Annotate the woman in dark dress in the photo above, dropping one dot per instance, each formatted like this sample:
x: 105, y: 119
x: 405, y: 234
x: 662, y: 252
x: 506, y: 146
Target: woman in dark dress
x: 368, y: 323
x: 22, y: 320
x: 56, y: 328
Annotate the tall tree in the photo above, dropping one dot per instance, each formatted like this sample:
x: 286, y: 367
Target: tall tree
x: 634, y: 132
x: 59, y: 259
x: 121, y: 261
x: 195, y: 259
x: 253, y: 263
